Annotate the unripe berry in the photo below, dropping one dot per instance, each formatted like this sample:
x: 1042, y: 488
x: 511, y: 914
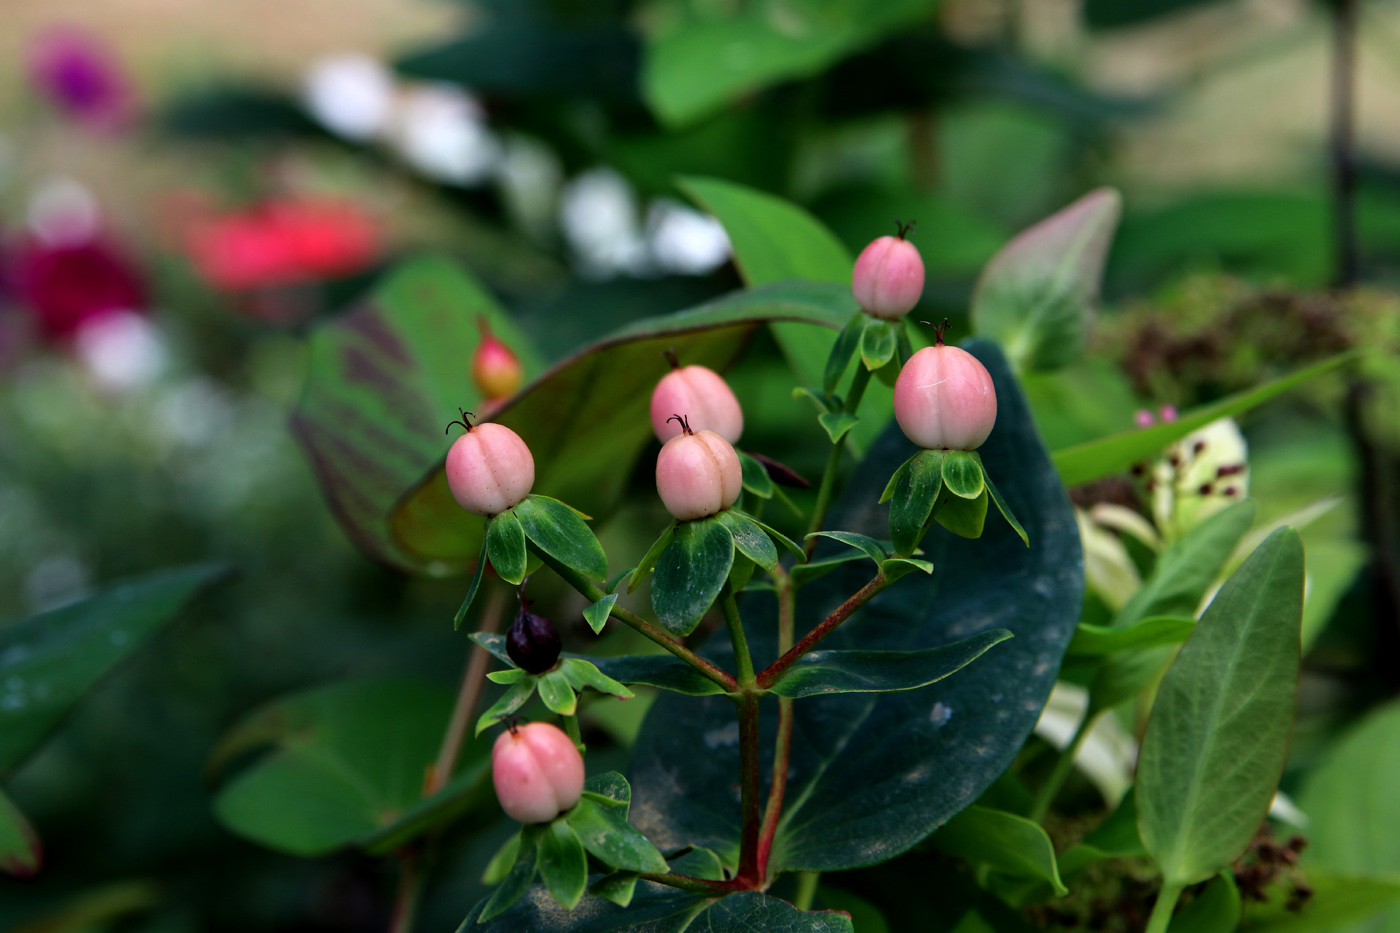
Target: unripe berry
x: 706, y: 399
x: 537, y: 771
x: 489, y: 468
x: 532, y: 641
x: 697, y: 474
x: 495, y: 368
x: 889, y: 277
x: 944, y: 398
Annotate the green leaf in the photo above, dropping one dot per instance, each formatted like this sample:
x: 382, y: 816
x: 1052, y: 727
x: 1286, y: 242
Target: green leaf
x: 854, y: 671
x: 777, y: 536
x: 596, y: 614
x: 609, y: 788
x: 1115, y: 837
x: 863, y: 543
x: 48, y: 661
x: 1004, y: 842
x: 962, y: 473
x: 658, y: 909
x: 821, y: 402
x: 347, y: 761
x: 690, y: 573
x: 501, y: 863
x: 916, y: 489
x: 612, y: 840
x: 1096, y: 641
x: 652, y: 555
x: 1091, y: 460
x: 521, y: 875
x: 517, y: 696
x: 1005, y: 510
x: 873, y: 775
x: 837, y: 424
x: 507, y: 677
x: 963, y: 517
x: 581, y: 674
x: 1338, y: 903
x: 843, y: 351
x: 563, y: 866
x: 505, y: 547
x: 1037, y: 296
x: 878, y: 343
x: 471, y: 588
x: 556, y: 693
x: 664, y: 671
x: 1215, y: 910
x: 383, y: 381
x: 897, y: 567
x: 619, y: 887
x: 749, y: 539
x: 21, y: 855
x: 756, y: 478
x: 1220, y: 727
x: 559, y: 531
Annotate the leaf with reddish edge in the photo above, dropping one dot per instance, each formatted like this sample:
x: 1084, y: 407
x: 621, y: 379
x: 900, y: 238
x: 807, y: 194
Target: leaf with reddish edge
x: 1037, y: 296
x: 385, y: 379
x: 20, y: 852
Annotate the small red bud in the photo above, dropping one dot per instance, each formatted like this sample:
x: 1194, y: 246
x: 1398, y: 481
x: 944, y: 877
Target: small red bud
x: 495, y: 368
x: 489, y: 469
x: 537, y: 771
x: 697, y: 475
x: 888, y: 278
x: 706, y: 399
x: 944, y: 399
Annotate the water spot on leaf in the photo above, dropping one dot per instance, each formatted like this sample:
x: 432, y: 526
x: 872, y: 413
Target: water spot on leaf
x: 723, y: 737
x: 940, y: 714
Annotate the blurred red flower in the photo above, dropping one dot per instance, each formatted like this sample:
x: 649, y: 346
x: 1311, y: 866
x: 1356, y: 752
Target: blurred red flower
x: 68, y: 285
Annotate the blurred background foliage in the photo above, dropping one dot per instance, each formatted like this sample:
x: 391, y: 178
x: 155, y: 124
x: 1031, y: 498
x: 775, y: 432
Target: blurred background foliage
x: 539, y: 144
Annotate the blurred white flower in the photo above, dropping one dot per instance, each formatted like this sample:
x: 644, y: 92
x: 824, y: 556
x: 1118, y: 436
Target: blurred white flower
x: 55, y: 581
x: 598, y: 213
x: 122, y: 350
x: 440, y: 130
x: 529, y: 175
x: 62, y: 212
x: 1198, y: 476
x: 1108, y: 569
x: 350, y: 94
x: 685, y: 241
x: 1109, y: 752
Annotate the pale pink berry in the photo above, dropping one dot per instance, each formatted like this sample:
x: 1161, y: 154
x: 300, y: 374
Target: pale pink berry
x: 537, y: 771
x: 697, y: 474
x: 489, y: 468
x: 944, y: 399
x: 495, y: 367
x: 707, y: 400
x: 889, y: 277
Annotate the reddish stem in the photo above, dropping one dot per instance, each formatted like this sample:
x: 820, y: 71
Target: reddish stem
x: 770, y: 674
x: 782, y: 761
x: 749, y: 862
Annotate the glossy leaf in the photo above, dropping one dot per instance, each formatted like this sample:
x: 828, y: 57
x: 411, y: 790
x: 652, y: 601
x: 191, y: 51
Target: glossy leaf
x: 756, y: 478
x: 963, y: 517
x: 653, y: 554
x: 345, y: 762
x: 605, y: 833
x: 837, y: 424
x: 749, y: 539
x: 1003, y: 842
x: 855, y: 671
x: 1037, y: 296
x: 609, y: 788
x: 619, y: 888
x: 897, y: 567
x: 505, y: 547
x: 874, y: 774
x: 1221, y: 724
x: 912, y: 491
x: 1093, y: 641
x: 1091, y: 460
x: 863, y: 543
x: 48, y: 661
x: 556, y: 693
x: 877, y: 343
x: 562, y: 864
x: 21, y: 855
x: 472, y: 588
x: 657, y: 909
x: 517, y: 696
x: 1215, y: 910
x: 596, y: 614
x: 521, y: 876
x: 962, y: 473
x: 690, y: 573
x: 847, y: 345
x: 1005, y: 509
x: 664, y: 671
x: 559, y: 531
x: 583, y: 674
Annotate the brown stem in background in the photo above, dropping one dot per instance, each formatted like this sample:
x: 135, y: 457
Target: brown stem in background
x: 468, y: 695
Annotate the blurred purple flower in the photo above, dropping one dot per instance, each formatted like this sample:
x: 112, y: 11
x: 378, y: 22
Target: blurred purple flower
x: 67, y: 286
x: 79, y: 73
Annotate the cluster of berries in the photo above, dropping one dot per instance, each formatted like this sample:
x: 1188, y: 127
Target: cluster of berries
x: 943, y: 399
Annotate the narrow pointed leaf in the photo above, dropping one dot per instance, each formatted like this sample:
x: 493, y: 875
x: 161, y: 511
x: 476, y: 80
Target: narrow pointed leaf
x: 521, y: 875
x: 664, y: 671
x: 1005, y: 510
x: 856, y: 671
x: 915, y: 492
x: 778, y: 537
x: 837, y: 424
x: 864, y: 543
x: 471, y: 588
x: 843, y: 351
x: 582, y: 674
x: 505, y: 547
x: 517, y: 696
x: 756, y: 479
x: 557, y: 530
x: 596, y: 614
x: 897, y: 567
x: 20, y: 852
x: 1092, y: 641
x: 751, y: 540
x: 650, y: 558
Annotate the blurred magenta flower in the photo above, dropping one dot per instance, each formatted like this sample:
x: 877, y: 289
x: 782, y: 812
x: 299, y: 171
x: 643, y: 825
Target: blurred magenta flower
x: 79, y: 73
x: 66, y: 286
x: 282, y: 242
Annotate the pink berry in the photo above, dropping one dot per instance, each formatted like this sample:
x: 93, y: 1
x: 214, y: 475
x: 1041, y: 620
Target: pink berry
x: 495, y: 368
x: 537, y: 771
x: 888, y: 277
x: 697, y: 474
x: 706, y: 399
x: 944, y: 399
x: 489, y: 468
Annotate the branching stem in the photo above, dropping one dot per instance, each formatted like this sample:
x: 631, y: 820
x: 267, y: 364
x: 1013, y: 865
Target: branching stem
x: 769, y: 675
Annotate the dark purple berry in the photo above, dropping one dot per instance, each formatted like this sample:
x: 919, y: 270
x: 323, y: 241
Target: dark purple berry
x: 532, y: 642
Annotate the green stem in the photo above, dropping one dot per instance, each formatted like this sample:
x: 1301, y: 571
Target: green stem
x: 769, y: 675
x: 1162, y: 911
x: 1063, y: 765
x: 735, y: 625
x: 571, y: 727
x: 833, y: 461
x: 806, y: 889
x: 593, y: 592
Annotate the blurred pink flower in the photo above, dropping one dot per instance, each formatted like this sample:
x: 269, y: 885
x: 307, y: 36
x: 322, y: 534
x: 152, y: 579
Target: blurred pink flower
x: 1168, y: 412
x: 79, y: 73
x: 1143, y: 418
x: 69, y: 285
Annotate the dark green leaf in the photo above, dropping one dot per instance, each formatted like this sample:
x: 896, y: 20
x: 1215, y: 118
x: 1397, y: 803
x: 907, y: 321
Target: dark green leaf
x: 963, y: 517
x: 556, y: 693
x: 1220, y: 727
x: 1005, y: 510
x: 521, y: 876
x: 665, y: 671
x: 20, y: 852
x: 855, y: 671
x: 657, y: 909
x: 916, y: 489
x: 962, y: 473
x: 517, y: 696
x: 756, y: 478
x: 750, y: 540
x: 581, y: 674
x: 878, y: 343
x: 837, y: 424
x: 777, y: 536
x: 609, y: 788
x: 505, y: 546
x: 1003, y: 842
x: 843, y: 351
x: 1096, y: 641
x: 1215, y: 910
x: 471, y: 588
x: 619, y: 888
x: 495, y: 644
x: 596, y: 614
x: 897, y: 567
x: 690, y: 573
x: 558, y: 531
x: 606, y: 833
x: 563, y: 866
x: 348, y: 760
x: 864, y: 543
x: 1084, y: 463
x: 48, y: 661
x: 652, y: 555
x: 1037, y: 296
x: 873, y: 774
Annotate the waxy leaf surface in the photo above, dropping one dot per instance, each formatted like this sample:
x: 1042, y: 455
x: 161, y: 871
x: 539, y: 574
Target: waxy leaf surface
x: 855, y: 671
